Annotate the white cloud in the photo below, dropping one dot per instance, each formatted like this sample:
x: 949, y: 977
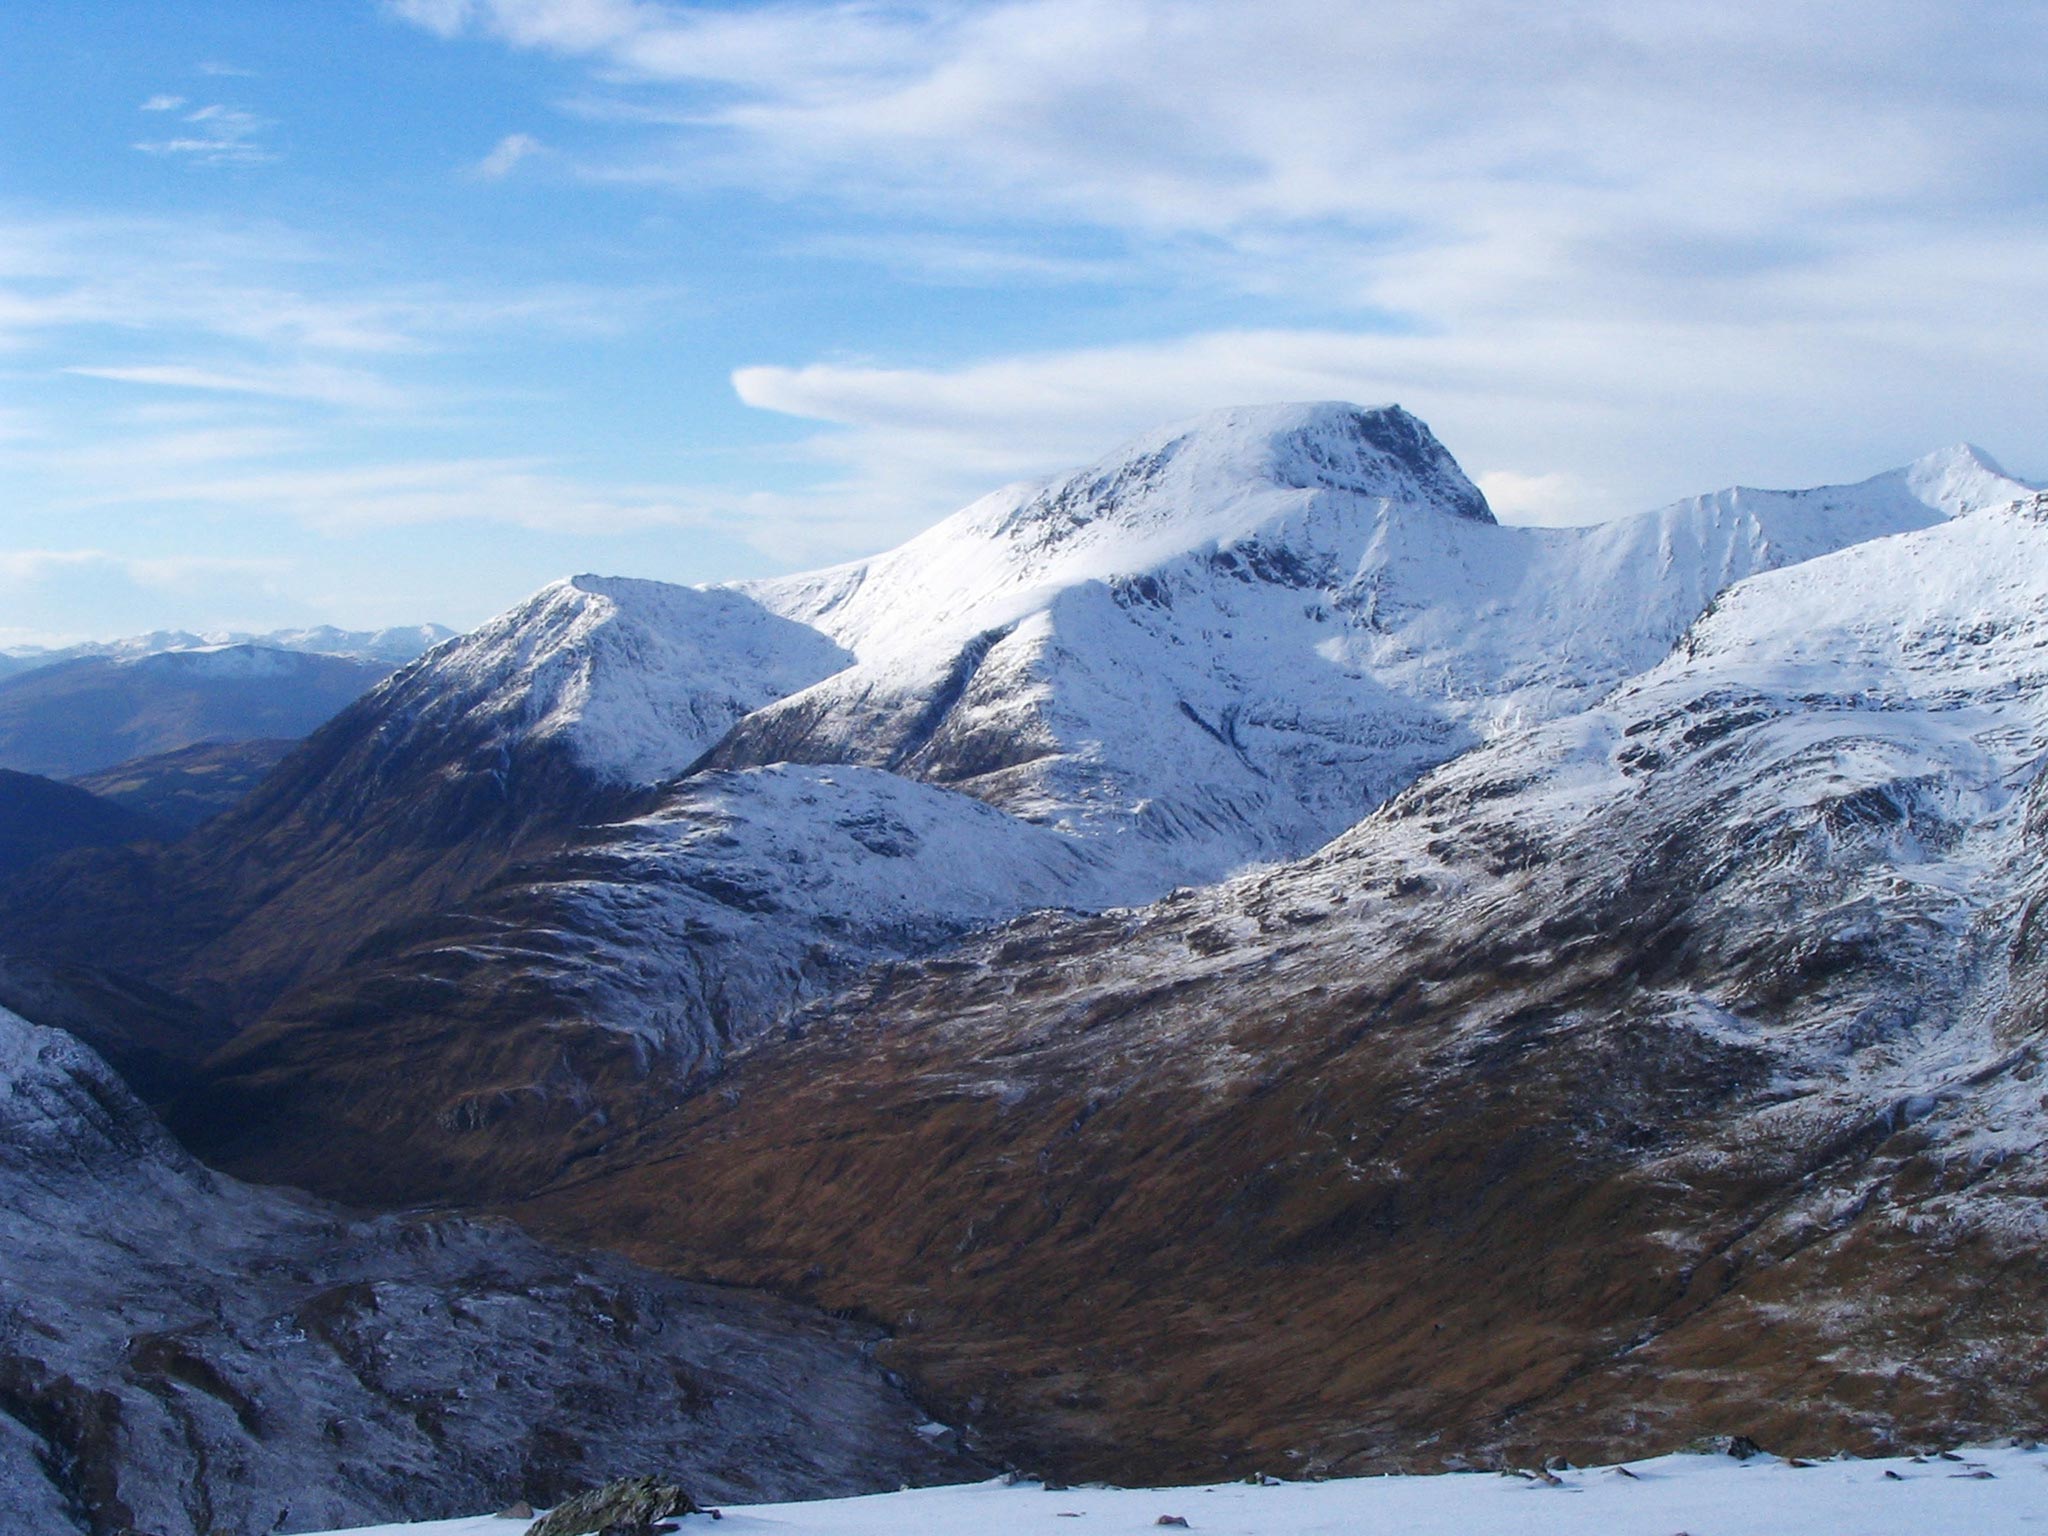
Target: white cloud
x: 520, y: 493
x: 162, y: 104
x: 220, y: 135
x: 320, y: 383
x: 506, y: 154
x: 1616, y: 250
x: 1551, y: 498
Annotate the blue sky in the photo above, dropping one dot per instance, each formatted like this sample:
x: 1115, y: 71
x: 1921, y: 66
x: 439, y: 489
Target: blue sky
x: 376, y: 311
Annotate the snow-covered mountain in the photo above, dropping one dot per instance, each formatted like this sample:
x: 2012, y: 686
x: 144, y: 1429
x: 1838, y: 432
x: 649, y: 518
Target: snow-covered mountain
x: 1221, y: 645
x: 185, y: 1354
x: 1661, y: 1022
x: 396, y: 645
x: 1231, y: 639
x: 1670, y: 1067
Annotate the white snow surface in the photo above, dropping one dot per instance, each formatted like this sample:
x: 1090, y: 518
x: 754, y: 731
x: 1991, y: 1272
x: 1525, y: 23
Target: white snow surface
x: 1236, y: 636
x: 639, y: 677
x: 1221, y: 644
x: 1218, y: 647
x: 1709, y: 1494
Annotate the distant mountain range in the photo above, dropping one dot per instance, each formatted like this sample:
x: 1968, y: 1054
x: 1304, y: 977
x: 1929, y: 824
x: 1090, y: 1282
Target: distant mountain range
x: 91, y: 707
x: 1241, y: 959
x: 396, y: 645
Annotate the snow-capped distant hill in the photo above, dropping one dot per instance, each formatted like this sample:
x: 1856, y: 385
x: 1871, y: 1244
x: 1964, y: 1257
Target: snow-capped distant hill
x: 83, y: 716
x: 396, y: 645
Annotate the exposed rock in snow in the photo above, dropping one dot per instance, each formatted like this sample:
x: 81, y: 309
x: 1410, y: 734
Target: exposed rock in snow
x: 638, y: 677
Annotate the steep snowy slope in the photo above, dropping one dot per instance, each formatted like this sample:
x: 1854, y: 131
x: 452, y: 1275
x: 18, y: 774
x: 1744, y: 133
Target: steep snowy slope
x: 184, y: 1354
x: 1671, y: 1068
x: 1231, y: 639
x: 638, y: 678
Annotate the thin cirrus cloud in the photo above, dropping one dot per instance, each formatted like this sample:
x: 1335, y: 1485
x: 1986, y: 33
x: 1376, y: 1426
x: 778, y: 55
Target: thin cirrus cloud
x: 213, y: 134
x: 25, y: 567
x: 518, y: 493
x: 322, y: 384
x: 506, y: 156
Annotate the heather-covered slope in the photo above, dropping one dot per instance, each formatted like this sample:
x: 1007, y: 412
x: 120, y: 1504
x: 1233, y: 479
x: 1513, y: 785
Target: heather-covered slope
x: 40, y: 818
x: 1672, y: 1068
x: 187, y: 788
x: 183, y: 1354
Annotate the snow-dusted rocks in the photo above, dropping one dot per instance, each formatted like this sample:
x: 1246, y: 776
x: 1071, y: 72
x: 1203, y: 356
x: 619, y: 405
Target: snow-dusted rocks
x: 1670, y: 1066
x: 638, y: 678
x: 183, y: 1354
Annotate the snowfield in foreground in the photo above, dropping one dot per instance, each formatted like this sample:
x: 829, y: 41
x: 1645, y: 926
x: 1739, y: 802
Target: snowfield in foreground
x: 1985, y: 1492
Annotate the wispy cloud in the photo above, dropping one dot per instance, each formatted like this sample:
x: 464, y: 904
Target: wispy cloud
x: 29, y: 567
x: 1616, y: 251
x: 217, y: 134
x: 511, y: 493
x: 324, y: 384
x: 506, y: 154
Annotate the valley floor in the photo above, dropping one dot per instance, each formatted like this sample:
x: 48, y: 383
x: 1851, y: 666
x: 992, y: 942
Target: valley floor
x: 1699, y: 1495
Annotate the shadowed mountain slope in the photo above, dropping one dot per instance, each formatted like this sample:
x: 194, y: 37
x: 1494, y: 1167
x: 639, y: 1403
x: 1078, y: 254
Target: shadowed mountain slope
x: 40, y: 818
x: 186, y: 788
x: 184, y: 1354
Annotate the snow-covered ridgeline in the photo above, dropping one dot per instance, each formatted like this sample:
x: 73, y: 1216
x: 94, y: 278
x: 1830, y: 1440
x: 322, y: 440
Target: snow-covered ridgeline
x: 1237, y: 634
x: 1987, y: 1491
x: 396, y: 645
x: 636, y: 677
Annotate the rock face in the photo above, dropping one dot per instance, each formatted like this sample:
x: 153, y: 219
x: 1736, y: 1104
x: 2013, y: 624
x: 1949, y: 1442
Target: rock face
x: 1671, y: 1069
x: 182, y: 1353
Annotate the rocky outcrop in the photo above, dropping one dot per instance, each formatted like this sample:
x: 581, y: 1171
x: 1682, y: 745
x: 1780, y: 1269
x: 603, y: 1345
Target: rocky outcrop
x: 181, y: 1353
